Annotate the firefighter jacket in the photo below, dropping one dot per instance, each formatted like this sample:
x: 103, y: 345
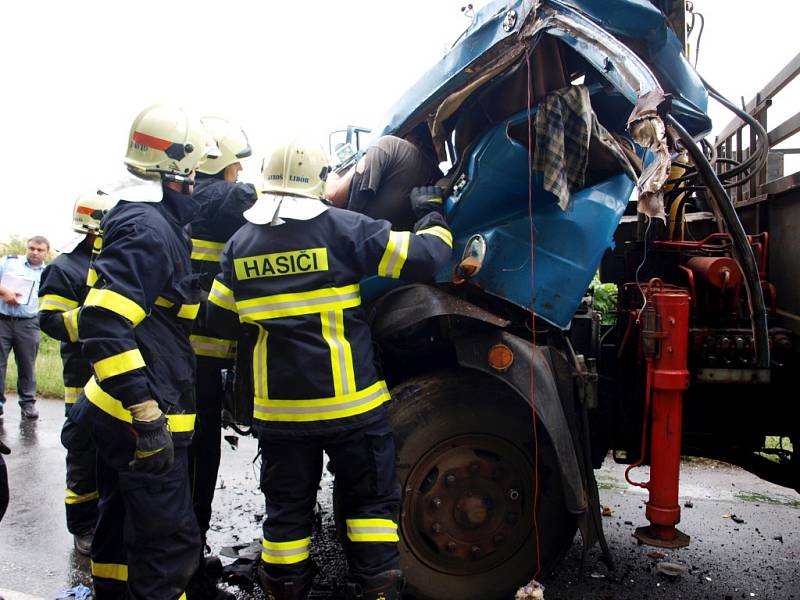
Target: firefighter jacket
x: 135, y: 322
x: 61, y: 294
x: 219, y: 207
x: 297, y: 283
x: 218, y: 216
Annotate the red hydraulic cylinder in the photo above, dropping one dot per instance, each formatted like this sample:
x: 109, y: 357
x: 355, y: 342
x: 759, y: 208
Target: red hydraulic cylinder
x: 670, y: 377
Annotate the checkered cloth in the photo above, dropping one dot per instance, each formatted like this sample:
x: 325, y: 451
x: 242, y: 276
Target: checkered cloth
x: 563, y: 130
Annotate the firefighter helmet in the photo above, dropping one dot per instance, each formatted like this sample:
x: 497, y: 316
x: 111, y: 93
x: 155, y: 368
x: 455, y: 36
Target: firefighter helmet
x: 231, y: 141
x: 298, y: 168
x: 164, y: 140
x: 89, y: 210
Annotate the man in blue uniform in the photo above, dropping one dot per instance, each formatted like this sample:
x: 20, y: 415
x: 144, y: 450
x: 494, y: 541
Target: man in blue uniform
x: 293, y: 274
x: 19, y: 327
x: 62, y: 292
x: 220, y: 201
x: 134, y: 329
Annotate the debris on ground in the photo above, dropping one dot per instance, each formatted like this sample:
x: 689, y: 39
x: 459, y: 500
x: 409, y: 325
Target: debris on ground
x: 733, y: 518
x: 607, y: 511
x: 79, y: 592
x: 689, y: 504
x: 657, y: 555
x: 532, y: 591
x: 673, y: 570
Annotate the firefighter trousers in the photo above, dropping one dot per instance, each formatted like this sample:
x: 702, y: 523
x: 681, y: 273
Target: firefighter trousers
x: 81, y: 496
x: 146, y: 544
x: 367, y: 497
x: 205, y: 451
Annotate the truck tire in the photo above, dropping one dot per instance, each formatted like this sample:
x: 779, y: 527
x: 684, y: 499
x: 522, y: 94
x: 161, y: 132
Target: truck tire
x: 465, y: 453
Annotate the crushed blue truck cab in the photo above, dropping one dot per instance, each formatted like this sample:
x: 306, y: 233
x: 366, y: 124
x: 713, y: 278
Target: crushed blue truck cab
x: 488, y: 182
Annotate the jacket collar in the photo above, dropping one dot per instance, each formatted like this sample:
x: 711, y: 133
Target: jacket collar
x: 178, y: 207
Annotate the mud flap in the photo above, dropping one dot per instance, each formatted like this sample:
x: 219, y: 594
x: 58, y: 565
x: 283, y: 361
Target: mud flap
x: 472, y: 352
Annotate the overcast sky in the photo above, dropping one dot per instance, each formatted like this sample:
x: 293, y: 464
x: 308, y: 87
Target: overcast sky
x: 75, y: 74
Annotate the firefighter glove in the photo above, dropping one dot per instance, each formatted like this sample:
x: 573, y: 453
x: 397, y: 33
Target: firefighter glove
x: 426, y: 199
x: 154, y: 451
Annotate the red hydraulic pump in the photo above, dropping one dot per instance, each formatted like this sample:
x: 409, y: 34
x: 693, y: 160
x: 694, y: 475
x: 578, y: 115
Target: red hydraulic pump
x: 665, y: 341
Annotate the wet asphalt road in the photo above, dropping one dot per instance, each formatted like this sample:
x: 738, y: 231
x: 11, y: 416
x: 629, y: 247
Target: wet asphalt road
x: 757, y: 558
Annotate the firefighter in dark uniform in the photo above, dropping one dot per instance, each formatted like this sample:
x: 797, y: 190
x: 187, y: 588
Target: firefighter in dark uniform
x: 61, y: 293
x: 134, y: 329
x: 293, y: 274
x: 220, y: 200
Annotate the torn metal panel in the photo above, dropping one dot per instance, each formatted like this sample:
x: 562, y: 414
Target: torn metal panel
x: 647, y: 129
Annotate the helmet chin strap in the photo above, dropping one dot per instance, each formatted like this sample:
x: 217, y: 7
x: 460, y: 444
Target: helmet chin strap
x: 185, y: 182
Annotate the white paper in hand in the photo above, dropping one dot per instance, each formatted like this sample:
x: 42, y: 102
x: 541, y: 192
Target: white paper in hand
x: 21, y: 286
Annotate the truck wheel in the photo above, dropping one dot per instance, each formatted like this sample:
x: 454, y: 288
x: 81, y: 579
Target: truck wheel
x: 465, y: 448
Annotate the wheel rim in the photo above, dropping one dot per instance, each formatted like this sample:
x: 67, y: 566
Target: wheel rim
x: 467, y: 504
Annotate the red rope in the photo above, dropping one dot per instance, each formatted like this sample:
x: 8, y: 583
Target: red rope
x: 533, y: 329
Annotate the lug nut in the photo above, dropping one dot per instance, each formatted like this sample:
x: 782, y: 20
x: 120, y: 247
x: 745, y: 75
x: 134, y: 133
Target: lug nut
x: 475, y: 551
x: 451, y: 546
x: 436, y: 528
x: 436, y: 502
x: 450, y: 479
x: 513, y: 494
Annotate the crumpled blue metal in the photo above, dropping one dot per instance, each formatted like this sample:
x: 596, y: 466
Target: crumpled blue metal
x: 629, y: 20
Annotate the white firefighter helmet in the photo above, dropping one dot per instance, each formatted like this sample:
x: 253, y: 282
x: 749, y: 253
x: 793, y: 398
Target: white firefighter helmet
x: 298, y: 168
x: 89, y: 210
x: 165, y: 141
x: 231, y: 141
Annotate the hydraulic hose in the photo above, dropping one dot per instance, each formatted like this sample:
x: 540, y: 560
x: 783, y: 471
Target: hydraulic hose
x: 758, y: 159
x: 741, y: 249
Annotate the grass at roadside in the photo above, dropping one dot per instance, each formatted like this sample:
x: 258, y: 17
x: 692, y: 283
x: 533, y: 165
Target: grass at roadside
x: 49, y: 381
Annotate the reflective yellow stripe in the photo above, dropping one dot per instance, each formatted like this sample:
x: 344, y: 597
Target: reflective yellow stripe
x: 260, y: 382
x: 71, y: 394
x: 344, y: 379
x: 188, y: 311
x: 118, y: 364
x: 91, y: 277
x: 440, y: 232
x: 182, y: 596
x: 213, y: 347
x: 285, y: 553
x: 299, y: 303
x: 56, y: 302
x: 206, y: 250
x: 110, y: 571
x: 372, y: 530
x: 394, y: 257
x: 71, y: 323
x: 97, y: 244
x: 321, y: 409
x: 107, y: 403
x: 116, y: 303
x: 163, y: 302
x: 73, y: 498
x: 222, y: 296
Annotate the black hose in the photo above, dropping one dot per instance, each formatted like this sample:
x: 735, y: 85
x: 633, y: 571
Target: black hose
x: 758, y: 156
x: 741, y: 249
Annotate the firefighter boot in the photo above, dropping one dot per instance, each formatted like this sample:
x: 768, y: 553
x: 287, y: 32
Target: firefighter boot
x: 286, y: 588
x: 203, y: 587
x: 387, y: 585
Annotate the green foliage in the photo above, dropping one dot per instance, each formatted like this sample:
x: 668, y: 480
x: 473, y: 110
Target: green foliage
x: 604, y: 299
x: 49, y: 379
